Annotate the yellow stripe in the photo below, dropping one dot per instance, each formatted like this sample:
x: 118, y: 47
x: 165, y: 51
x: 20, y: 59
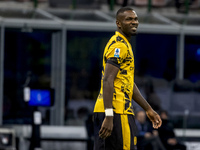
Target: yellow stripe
x: 135, y: 140
x: 126, y: 132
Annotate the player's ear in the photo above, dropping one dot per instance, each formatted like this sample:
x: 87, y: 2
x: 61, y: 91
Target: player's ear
x: 118, y: 23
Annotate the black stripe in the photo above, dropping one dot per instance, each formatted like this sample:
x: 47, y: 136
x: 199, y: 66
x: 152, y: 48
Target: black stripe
x: 132, y: 125
x: 113, y: 63
x: 117, y: 133
x: 115, y: 141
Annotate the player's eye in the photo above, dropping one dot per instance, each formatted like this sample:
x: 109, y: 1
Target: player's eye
x: 129, y: 19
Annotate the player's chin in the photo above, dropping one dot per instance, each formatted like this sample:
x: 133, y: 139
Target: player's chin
x: 133, y: 33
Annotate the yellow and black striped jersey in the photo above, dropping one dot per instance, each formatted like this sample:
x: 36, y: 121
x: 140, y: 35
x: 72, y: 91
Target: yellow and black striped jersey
x: 118, y: 52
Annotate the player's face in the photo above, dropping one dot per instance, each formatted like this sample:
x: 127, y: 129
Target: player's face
x: 128, y: 23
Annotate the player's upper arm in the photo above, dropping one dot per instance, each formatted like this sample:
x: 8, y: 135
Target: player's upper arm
x: 116, y: 54
x: 110, y: 72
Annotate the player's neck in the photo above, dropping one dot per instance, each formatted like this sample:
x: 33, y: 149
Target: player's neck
x: 127, y: 37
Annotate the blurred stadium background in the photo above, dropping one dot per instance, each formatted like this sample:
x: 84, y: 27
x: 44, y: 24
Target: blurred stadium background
x: 58, y: 44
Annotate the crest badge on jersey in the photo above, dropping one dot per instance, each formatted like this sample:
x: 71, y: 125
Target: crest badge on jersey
x: 117, y: 52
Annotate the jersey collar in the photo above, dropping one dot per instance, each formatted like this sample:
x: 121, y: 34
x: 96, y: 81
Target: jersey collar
x: 118, y: 33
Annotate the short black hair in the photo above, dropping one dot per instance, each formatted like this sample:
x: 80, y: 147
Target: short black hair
x: 122, y: 10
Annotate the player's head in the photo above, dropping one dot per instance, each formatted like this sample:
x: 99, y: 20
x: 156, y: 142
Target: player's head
x: 127, y: 21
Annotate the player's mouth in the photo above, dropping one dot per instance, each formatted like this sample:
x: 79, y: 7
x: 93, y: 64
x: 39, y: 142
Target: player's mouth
x: 134, y: 28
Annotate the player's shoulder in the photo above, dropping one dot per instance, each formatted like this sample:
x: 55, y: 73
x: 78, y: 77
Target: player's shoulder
x: 120, y: 40
x: 118, y: 44
x: 114, y: 46
x: 117, y: 41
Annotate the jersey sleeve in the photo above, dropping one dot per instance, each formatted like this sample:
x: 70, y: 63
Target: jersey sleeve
x: 116, y: 54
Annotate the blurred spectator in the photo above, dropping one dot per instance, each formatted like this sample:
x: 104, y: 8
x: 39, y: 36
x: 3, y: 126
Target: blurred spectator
x: 148, y: 138
x: 151, y: 96
x: 167, y: 135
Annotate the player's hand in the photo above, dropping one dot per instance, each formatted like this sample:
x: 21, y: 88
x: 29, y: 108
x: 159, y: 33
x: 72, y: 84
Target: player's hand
x: 154, y: 118
x: 106, y: 127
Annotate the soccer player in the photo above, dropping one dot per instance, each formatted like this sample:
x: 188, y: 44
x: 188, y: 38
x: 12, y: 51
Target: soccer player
x: 114, y: 124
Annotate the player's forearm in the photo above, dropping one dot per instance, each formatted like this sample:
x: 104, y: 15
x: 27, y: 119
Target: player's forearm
x: 108, y: 89
x: 139, y: 99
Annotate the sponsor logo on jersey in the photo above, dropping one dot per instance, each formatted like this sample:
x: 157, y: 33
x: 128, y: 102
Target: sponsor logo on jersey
x: 117, y: 52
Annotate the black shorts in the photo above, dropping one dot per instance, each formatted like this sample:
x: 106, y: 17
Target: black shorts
x: 123, y: 136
